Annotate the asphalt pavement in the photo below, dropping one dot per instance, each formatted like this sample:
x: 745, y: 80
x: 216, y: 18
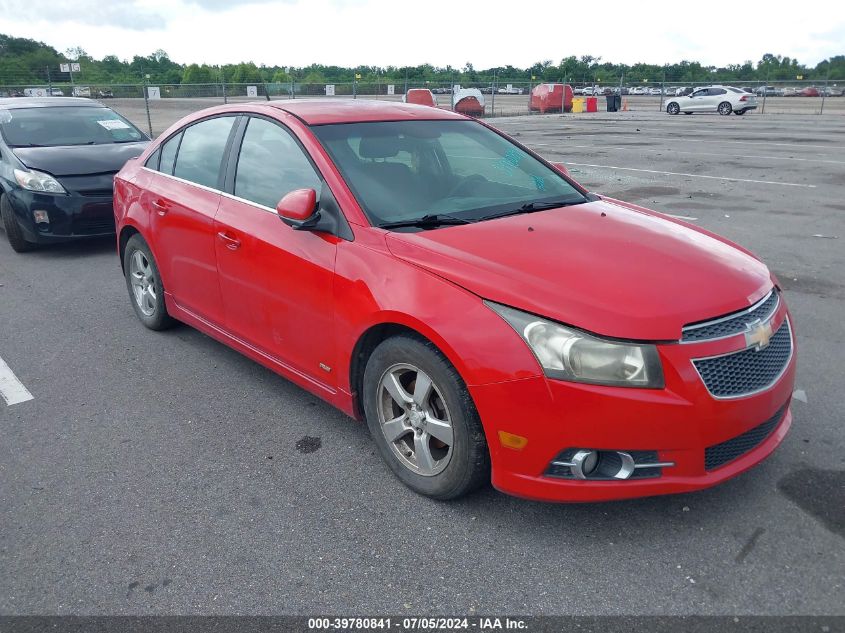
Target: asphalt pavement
x: 158, y: 473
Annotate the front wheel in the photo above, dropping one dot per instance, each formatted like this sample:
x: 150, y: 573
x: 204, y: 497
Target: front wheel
x: 725, y: 108
x: 143, y: 282
x: 13, y: 230
x: 673, y: 108
x: 423, y: 419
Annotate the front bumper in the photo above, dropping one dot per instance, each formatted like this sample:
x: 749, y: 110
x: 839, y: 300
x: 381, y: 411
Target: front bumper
x: 679, y: 422
x: 72, y: 216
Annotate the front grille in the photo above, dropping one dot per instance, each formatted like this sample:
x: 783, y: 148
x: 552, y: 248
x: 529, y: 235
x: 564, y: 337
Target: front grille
x: 720, y: 454
x: 96, y: 193
x: 93, y: 226
x: 748, y: 371
x: 731, y: 324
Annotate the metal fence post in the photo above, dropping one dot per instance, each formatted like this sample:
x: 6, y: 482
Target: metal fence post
x: 147, y: 107
x: 824, y: 92
x: 223, y: 85
x: 765, y: 90
x: 493, y: 96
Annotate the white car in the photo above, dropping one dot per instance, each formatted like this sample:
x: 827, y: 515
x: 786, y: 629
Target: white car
x: 655, y: 92
x: 637, y: 90
x: 721, y: 99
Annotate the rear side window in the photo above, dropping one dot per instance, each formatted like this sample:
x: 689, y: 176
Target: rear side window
x: 271, y: 164
x: 152, y: 161
x: 168, y: 155
x: 201, y: 151
x: 717, y: 91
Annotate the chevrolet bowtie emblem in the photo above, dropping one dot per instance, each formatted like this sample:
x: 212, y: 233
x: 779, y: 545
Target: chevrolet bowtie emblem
x: 758, y: 335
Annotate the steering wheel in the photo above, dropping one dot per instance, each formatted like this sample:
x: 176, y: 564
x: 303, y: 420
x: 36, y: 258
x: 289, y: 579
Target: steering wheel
x: 459, y: 188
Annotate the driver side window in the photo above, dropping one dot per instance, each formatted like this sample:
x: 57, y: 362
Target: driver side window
x: 271, y: 164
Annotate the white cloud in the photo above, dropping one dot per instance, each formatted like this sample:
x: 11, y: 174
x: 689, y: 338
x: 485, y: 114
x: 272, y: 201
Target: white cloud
x: 441, y: 32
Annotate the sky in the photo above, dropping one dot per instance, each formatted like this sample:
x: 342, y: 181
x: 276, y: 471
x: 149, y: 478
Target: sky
x: 485, y: 33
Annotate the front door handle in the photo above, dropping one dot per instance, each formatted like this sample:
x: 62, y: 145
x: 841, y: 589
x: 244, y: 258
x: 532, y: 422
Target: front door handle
x: 160, y: 207
x: 232, y: 243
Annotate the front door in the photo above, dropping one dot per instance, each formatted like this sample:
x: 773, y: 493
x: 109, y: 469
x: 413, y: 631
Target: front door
x: 276, y: 282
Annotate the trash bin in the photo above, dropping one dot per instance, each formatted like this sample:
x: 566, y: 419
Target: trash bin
x: 592, y: 104
x: 614, y: 103
x: 577, y: 104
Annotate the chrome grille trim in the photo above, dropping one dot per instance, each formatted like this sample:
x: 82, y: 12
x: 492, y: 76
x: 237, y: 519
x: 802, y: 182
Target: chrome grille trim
x: 786, y: 324
x: 734, y: 323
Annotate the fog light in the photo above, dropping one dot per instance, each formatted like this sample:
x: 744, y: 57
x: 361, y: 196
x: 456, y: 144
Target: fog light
x: 40, y: 216
x: 584, y: 462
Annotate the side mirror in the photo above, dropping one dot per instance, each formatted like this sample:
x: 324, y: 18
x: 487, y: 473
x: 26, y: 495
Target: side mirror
x: 562, y: 169
x: 297, y: 209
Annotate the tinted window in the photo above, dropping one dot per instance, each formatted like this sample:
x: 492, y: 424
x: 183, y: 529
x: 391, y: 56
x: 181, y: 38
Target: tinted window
x: 271, y: 164
x: 404, y: 170
x: 152, y: 161
x: 699, y: 93
x: 168, y: 154
x: 717, y: 91
x: 67, y: 125
x: 201, y: 151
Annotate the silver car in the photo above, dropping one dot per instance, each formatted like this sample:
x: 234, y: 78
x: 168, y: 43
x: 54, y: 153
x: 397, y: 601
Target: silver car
x: 721, y: 99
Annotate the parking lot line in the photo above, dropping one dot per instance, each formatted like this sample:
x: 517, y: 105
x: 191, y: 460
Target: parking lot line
x: 675, y: 151
x: 12, y: 389
x: 674, y: 173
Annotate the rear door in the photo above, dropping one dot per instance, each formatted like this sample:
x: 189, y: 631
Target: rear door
x: 276, y: 282
x: 182, y: 199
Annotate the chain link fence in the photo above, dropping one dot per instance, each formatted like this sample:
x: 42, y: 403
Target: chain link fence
x: 157, y: 106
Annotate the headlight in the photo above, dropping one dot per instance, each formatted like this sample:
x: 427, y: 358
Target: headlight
x: 569, y: 354
x: 38, y: 181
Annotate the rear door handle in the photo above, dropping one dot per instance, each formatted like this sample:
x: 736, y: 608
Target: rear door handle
x: 160, y: 207
x: 232, y: 243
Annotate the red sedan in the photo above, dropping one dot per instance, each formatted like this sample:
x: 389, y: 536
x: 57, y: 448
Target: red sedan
x: 486, y: 315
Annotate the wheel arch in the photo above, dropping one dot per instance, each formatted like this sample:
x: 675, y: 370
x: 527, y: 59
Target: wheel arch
x: 125, y: 234
x: 371, y: 338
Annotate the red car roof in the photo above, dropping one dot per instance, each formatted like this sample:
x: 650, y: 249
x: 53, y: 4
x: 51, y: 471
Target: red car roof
x: 322, y: 111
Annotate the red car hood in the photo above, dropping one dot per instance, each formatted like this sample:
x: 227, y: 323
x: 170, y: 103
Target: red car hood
x: 600, y: 266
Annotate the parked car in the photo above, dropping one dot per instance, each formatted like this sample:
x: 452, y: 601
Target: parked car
x: 513, y: 90
x: 638, y: 90
x: 55, y: 92
x: 59, y: 160
x: 809, y: 92
x: 655, y: 92
x: 768, y: 91
x: 578, y: 91
x: 81, y: 91
x: 721, y: 99
x: 488, y: 90
x: 587, y: 91
x: 437, y: 304
x: 105, y: 94
x: 791, y: 92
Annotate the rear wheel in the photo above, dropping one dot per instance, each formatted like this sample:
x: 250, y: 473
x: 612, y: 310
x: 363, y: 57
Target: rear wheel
x: 423, y: 420
x: 143, y: 282
x: 13, y: 230
x: 725, y: 108
x: 673, y: 108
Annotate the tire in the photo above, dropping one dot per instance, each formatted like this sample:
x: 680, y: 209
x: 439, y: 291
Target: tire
x: 739, y: 112
x: 725, y: 108
x: 13, y: 230
x: 673, y: 108
x: 143, y: 281
x: 418, y: 451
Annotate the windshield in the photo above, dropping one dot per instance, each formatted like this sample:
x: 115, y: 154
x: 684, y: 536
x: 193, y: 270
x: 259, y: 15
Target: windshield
x: 402, y: 171
x: 66, y: 125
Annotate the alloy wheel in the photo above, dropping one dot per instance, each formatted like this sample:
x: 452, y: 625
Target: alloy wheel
x: 415, y: 420
x: 143, y: 283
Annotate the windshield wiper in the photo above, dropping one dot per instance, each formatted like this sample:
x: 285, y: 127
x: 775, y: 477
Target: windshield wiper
x: 428, y: 221
x: 531, y: 207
